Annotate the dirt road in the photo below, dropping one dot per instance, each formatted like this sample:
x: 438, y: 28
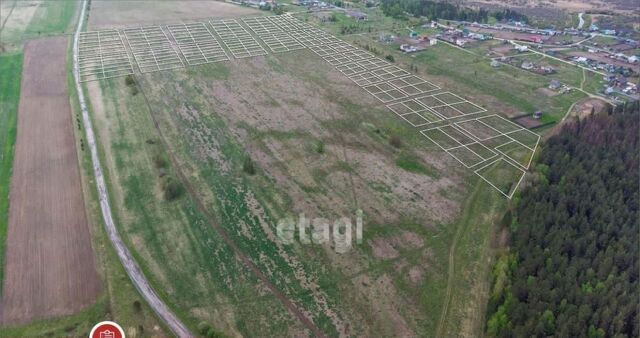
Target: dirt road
x: 130, y: 265
x: 50, y: 267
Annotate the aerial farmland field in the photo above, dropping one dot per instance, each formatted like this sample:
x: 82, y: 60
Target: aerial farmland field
x: 320, y: 146
x: 261, y: 172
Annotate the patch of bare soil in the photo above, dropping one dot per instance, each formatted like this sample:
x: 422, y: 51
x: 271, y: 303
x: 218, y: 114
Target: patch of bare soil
x: 49, y: 265
x: 528, y: 122
x: 387, y: 247
x: 588, y: 106
x: 135, y: 13
x: 546, y: 92
x: 381, y: 295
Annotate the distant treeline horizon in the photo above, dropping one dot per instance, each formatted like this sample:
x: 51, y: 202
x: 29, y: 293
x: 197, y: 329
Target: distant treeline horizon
x: 442, y: 10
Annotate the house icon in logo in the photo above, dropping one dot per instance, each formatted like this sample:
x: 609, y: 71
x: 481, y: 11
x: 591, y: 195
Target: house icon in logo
x: 107, y: 334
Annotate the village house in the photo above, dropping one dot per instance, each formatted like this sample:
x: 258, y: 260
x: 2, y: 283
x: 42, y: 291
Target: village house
x: 408, y: 48
x: 357, y: 15
x: 527, y: 65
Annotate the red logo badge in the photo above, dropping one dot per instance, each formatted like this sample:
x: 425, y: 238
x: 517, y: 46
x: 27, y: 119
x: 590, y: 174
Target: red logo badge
x: 107, y: 330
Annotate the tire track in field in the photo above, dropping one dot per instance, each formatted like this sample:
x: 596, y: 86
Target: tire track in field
x: 8, y: 15
x: 451, y: 270
x: 220, y: 230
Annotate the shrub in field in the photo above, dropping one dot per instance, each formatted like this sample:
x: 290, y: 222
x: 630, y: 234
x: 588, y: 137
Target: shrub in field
x: 172, y: 189
x: 160, y: 161
x: 203, y: 328
x: 390, y: 58
x: 248, y: 166
x: 320, y: 147
x: 129, y: 80
x: 395, y: 141
x: 213, y: 334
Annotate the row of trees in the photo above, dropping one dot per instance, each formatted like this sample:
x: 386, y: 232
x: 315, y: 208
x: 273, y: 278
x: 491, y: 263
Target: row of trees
x: 442, y: 10
x: 573, y: 266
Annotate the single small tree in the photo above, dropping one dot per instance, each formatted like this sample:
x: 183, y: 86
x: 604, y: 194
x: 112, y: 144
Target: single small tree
x: 395, y: 141
x: 129, y: 80
x: 390, y: 58
x: 172, y: 189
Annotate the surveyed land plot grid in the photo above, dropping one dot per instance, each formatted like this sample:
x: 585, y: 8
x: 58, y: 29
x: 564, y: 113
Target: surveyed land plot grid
x: 102, y: 55
x: 152, y: 49
x: 433, y: 108
x: 271, y: 35
x: 498, y: 150
x: 237, y: 39
x: 486, y: 144
x: 196, y: 43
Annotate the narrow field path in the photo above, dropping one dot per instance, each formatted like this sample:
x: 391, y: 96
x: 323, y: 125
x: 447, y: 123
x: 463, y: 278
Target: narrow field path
x: 131, y: 267
x: 581, y: 20
x: 462, y: 226
x: 220, y: 230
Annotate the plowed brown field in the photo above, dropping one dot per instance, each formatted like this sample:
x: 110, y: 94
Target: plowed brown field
x: 49, y: 267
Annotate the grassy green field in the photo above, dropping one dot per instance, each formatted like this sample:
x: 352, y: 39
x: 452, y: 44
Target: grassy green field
x: 189, y: 265
x: 505, y: 90
x: 203, y: 142
x: 507, y: 85
x: 53, y: 17
x: 567, y: 74
x: 25, y: 22
x: 11, y: 68
x: 206, y: 136
x: 276, y: 111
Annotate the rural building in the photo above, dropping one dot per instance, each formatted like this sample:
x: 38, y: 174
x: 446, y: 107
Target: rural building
x: 357, y: 15
x: 632, y: 59
x: 386, y: 38
x: 537, y: 115
x: 430, y: 41
x: 461, y: 42
x: 495, y: 63
x: 521, y: 48
x: 554, y: 84
x: 527, y: 65
x: 408, y: 48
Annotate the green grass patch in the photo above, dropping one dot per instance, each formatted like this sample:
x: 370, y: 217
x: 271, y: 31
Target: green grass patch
x: 411, y: 163
x: 52, y: 17
x: 11, y: 70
